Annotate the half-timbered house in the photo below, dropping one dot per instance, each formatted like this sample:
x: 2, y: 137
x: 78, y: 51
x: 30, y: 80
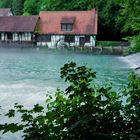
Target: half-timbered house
x: 67, y: 28
x: 18, y: 28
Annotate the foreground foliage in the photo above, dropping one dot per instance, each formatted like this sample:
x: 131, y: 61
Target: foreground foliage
x: 83, y: 111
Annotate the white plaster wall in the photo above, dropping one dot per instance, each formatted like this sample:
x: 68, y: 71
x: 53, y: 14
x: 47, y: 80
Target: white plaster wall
x: 18, y: 37
x: 92, y: 42
x: 26, y: 37
x: 10, y: 14
x: 55, y: 40
x: 2, y: 36
x: 22, y: 37
x: 15, y: 37
x: 58, y: 41
x: 29, y: 36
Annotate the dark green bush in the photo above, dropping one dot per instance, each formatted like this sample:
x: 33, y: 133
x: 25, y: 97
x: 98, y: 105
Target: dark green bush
x: 109, y: 43
x: 135, y: 44
x: 83, y: 111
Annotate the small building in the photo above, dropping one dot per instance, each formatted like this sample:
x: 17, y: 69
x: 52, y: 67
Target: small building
x: 18, y: 28
x: 67, y: 28
x: 5, y: 12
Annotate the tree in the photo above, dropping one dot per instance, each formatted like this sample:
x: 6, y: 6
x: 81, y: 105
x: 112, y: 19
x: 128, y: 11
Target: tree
x: 31, y: 7
x: 5, y: 3
x: 129, y: 20
x: 17, y: 7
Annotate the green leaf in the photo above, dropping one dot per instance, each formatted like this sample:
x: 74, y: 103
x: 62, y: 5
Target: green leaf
x: 11, y: 113
x: 38, y: 108
x: 12, y: 128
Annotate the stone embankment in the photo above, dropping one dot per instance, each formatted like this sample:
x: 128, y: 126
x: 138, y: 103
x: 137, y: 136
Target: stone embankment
x: 16, y: 45
x: 116, y: 50
x: 100, y: 50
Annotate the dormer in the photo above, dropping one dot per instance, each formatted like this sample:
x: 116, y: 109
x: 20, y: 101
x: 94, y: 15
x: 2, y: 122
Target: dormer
x: 67, y: 24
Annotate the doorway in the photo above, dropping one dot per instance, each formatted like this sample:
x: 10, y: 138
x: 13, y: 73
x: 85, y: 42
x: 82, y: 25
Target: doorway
x: 81, y: 41
x: 9, y: 36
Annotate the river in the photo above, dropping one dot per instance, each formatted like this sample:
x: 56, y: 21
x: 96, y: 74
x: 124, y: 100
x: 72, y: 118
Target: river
x: 27, y: 75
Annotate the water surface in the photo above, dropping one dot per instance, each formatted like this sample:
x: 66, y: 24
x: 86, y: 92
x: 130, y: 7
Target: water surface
x: 27, y: 75
x: 30, y: 72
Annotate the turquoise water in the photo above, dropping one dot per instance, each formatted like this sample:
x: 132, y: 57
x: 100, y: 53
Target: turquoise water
x: 31, y: 72
x: 27, y: 75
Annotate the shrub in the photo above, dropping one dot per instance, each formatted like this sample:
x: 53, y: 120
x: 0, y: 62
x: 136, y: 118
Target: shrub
x: 135, y: 44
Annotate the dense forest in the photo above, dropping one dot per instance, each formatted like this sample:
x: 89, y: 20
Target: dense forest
x: 118, y: 19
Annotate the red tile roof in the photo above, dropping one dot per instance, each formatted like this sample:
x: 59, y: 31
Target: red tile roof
x: 4, y: 11
x: 85, y: 22
x: 18, y: 23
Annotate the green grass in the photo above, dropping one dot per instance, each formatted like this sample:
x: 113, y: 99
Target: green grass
x: 109, y: 43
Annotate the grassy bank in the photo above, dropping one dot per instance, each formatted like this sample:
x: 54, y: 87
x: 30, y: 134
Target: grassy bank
x: 112, y: 43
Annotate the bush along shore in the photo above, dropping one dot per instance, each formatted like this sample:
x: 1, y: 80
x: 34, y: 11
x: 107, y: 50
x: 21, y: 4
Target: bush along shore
x: 83, y: 111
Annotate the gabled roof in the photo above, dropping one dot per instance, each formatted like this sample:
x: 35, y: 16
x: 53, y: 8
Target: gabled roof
x: 18, y: 23
x: 5, y: 11
x: 85, y: 22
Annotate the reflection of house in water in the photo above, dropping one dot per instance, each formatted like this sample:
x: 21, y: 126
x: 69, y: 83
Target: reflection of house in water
x: 52, y: 29
x: 70, y: 28
x: 17, y: 28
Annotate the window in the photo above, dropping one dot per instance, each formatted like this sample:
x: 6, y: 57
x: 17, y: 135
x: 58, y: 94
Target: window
x: 87, y: 39
x: 66, y: 27
x: 67, y: 23
x: 69, y: 27
x: 44, y: 38
x: 9, y: 36
x: 81, y: 41
x: 69, y: 38
x: 63, y: 27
